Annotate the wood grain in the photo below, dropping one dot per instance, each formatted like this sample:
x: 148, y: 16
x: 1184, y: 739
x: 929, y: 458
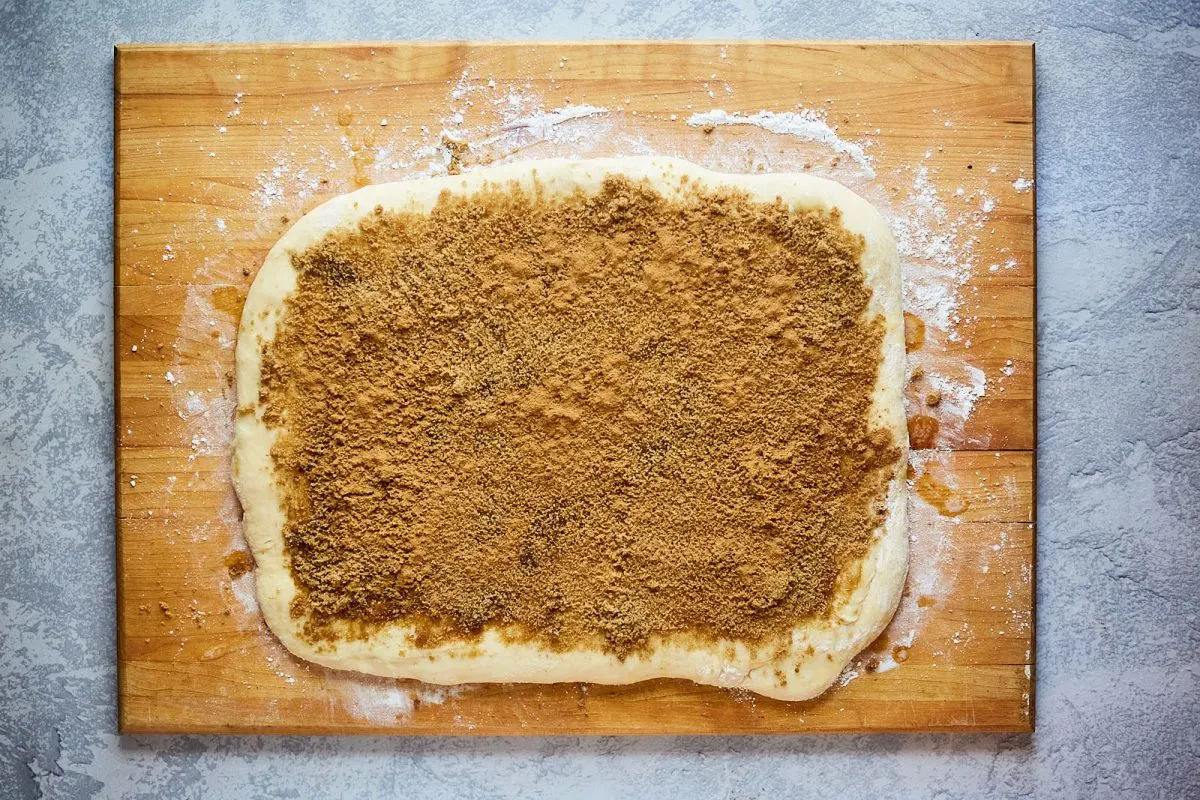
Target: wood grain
x: 210, y: 142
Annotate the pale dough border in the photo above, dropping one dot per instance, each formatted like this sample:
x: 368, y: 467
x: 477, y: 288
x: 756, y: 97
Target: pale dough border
x: 818, y: 652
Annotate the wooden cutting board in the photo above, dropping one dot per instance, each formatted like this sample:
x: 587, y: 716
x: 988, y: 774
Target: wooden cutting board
x: 219, y: 148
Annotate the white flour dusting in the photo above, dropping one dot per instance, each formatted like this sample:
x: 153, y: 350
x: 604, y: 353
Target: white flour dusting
x: 807, y: 123
x: 243, y: 591
x: 383, y: 701
x: 852, y: 671
x: 542, y: 126
x: 935, y: 260
x: 205, y: 402
x: 960, y: 385
x: 958, y: 396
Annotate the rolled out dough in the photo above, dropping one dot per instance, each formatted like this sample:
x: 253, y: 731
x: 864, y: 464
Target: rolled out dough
x: 817, y: 651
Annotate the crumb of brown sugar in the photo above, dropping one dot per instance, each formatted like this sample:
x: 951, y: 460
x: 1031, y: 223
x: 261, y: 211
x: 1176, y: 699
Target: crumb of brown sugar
x: 165, y: 609
x: 933, y: 398
x: 239, y: 563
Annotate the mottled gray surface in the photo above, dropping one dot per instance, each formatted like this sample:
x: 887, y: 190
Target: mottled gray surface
x: 1119, y: 419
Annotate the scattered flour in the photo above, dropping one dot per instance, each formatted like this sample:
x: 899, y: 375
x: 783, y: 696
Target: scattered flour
x: 542, y: 126
x: 807, y: 123
x: 852, y: 671
x: 268, y: 193
x: 935, y: 260
x: 243, y: 592
x: 961, y: 385
x: 384, y: 702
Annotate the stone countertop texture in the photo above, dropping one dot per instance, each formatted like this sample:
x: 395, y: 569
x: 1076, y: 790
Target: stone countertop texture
x: 1118, y: 681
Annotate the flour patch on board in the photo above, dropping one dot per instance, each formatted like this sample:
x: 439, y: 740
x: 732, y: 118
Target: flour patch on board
x: 929, y: 578
x: 382, y: 701
x: 546, y: 125
x: 808, y: 123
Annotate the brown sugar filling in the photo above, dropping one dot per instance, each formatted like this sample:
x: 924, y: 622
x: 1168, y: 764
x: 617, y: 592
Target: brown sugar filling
x: 588, y: 420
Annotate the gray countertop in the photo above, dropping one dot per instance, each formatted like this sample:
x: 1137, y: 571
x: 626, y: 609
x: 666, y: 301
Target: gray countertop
x: 1119, y: 423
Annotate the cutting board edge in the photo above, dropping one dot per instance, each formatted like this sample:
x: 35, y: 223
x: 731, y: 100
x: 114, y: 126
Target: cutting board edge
x: 130, y: 721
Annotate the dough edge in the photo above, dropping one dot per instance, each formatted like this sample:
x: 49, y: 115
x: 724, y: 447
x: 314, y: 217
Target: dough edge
x: 859, y: 616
